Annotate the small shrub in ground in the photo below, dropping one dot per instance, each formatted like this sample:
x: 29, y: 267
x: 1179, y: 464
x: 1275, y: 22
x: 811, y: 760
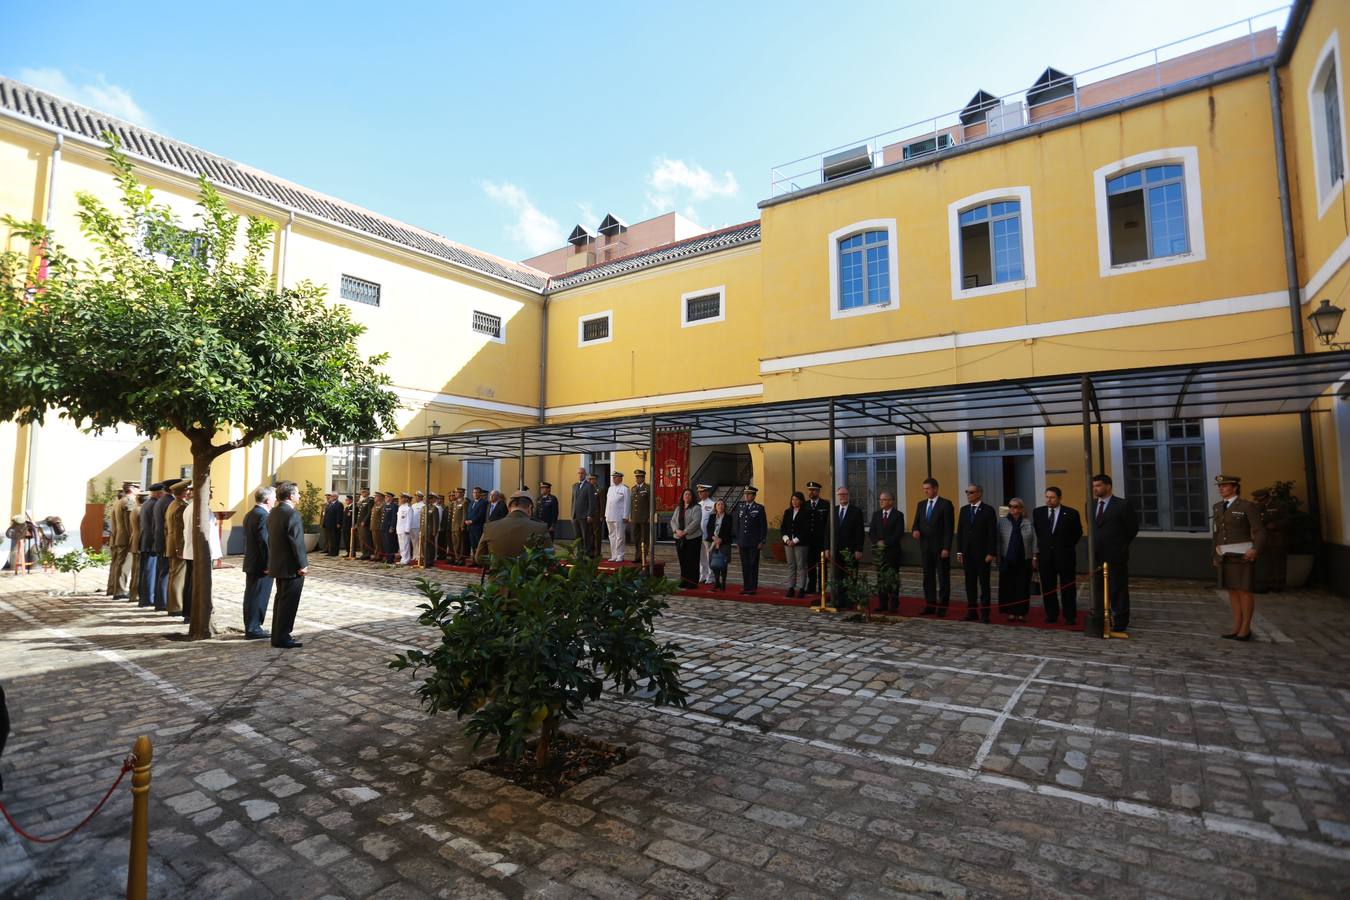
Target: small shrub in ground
x: 535, y: 642
x: 76, y: 561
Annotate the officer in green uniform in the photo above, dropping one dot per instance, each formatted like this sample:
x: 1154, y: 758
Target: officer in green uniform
x: 1239, y: 537
x: 641, y: 517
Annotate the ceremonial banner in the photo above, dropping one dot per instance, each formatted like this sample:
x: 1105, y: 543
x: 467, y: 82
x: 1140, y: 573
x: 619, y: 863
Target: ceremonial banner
x: 671, y: 473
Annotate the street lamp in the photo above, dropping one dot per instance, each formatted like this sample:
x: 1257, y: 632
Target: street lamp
x: 1326, y: 321
x: 435, y: 427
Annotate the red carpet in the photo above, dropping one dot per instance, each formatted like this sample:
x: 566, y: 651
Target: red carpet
x: 909, y: 606
x: 605, y: 566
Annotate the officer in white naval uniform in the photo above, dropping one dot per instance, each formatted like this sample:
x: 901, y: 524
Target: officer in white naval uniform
x: 618, y: 504
x: 706, y: 503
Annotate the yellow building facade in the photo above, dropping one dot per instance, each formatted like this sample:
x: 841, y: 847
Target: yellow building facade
x: 1146, y: 230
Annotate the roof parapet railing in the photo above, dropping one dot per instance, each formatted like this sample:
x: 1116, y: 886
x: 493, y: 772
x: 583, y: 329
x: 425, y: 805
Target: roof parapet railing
x: 1091, y: 87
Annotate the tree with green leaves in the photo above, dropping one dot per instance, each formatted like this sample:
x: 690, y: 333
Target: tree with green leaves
x: 183, y: 329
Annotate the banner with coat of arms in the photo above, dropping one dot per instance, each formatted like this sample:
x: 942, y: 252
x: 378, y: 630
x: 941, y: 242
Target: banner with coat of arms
x: 672, y: 473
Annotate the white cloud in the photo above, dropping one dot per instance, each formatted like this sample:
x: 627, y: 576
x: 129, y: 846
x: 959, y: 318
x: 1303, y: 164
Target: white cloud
x: 588, y: 216
x: 532, y: 228
x: 95, y: 93
x: 675, y: 176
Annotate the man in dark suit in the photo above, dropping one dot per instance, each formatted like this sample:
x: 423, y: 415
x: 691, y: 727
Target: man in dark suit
x: 817, y: 534
x: 887, y: 529
x: 752, y: 528
x: 287, y: 562
x: 933, y: 523
x: 849, y: 535
x: 1058, y: 530
x: 475, y: 519
x: 332, y: 525
x: 257, y: 581
x: 1115, y: 526
x: 389, y: 528
x: 149, y: 562
x: 160, y: 521
x: 496, y: 506
x: 583, y: 505
x: 976, y: 547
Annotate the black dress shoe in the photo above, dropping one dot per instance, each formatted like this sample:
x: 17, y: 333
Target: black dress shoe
x: 121, y: 597
x: 288, y: 645
x: 752, y: 592
x: 1243, y: 637
x: 790, y: 593
x: 1229, y: 637
x: 971, y: 617
x: 928, y: 611
x: 257, y: 635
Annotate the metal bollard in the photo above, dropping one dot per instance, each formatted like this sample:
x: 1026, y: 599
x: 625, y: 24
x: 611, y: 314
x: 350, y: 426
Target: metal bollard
x: 140, y: 819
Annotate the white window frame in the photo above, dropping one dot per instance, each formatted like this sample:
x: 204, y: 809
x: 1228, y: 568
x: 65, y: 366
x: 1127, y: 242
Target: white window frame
x: 581, y: 328
x: 892, y: 257
x: 1022, y: 195
x: 1326, y: 193
x: 1189, y: 159
x: 476, y: 333
x: 720, y: 291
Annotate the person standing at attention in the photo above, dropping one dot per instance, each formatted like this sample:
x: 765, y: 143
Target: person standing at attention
x: 1115, y: 527
x: 1239, y: 537
x: 257, y: 581
x: 976, y: 547
x: 287, y: 562
x: 1058, y: 531
x: 617, y: 509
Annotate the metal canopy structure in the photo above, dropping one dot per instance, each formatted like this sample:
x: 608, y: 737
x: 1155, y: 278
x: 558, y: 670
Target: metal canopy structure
x: 1246, y: 387
x: 1249, y: 387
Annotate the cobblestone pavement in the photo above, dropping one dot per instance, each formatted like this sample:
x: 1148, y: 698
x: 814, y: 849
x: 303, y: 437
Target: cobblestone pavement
x: 817, y: 758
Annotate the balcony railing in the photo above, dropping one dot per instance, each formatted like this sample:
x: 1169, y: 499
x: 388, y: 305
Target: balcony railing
x: 1063, y: 94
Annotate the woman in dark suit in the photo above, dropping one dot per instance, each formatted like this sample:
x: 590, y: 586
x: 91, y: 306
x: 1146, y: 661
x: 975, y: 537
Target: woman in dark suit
x: 795, y: 532
x: 686, y: 524
x: 1016, y: 558
x: 721, y: 532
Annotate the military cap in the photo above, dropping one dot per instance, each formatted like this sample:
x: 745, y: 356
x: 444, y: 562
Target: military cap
x: 417, y: 493
x: 406, y: 494
x: 546, y: 484
x: 615, y: 474
x: 157, y: 486
x: 750, y: 489
x: 522, y: 495
x: 704, y: 487
x: 130, y: 484
x: 593, y: 475
x: 179, y: 487
x: 1227, y: 479
x: 813, y: 484
x: 639, y: 471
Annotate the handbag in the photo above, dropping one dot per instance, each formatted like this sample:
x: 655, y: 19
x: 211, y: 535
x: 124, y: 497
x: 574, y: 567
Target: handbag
x: 718, y: 559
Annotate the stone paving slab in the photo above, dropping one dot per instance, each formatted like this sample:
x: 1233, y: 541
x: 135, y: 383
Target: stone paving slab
x: 818, y: 758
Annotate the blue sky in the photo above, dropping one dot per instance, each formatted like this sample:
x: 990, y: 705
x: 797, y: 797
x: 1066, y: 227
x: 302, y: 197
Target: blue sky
x: 501, y: 125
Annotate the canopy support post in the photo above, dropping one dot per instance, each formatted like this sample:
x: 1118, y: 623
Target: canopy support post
x: 426, y: 512
x: 1096, y: 616
x: 928, y: 452
x: 792, y: 449
x: 832, y: 566
x: 651, y: 524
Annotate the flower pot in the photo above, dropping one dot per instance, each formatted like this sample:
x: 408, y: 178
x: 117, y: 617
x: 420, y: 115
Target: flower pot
x: 91, y: 526
x: 1298, y: 569
x: 311, y: 541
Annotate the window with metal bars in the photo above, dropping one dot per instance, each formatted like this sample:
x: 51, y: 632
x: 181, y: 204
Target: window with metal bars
x: 486, y: 323
x: 595, y: 329
x: 344, y: 466
x: 1165, y: 473
x: 705, y: 306
x: 358, y: 290
x: 869, y: 468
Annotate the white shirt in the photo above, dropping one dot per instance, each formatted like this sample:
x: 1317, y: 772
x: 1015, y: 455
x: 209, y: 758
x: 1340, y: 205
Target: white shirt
x: 404, y: 520
x: 617, y: 503
x: 416, y: 522
x: 707, y: 507
x: 190, y: 528
x: 1054, y: 518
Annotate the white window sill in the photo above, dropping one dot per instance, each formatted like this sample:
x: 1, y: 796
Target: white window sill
x: 1002, y: 287
x: 1326, y: 200
x: 1161, y: 262
x: 863, y: 310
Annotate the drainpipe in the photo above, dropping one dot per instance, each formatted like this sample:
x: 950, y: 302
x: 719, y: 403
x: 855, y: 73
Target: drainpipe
x: 543, y: 379
x: 29, y: 469
x: 1313, y: 490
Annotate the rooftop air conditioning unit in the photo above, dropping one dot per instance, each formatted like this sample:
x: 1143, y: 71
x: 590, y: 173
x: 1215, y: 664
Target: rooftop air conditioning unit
x: 1006, y: 117
x: 846, y: 162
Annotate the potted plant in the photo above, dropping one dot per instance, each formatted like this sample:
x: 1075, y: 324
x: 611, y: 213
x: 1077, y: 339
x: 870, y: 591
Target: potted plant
x: 1291, y: 538
x: 310, y: 508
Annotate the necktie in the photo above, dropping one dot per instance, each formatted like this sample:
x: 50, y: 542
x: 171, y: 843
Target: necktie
x: 930, y: 509
x: 885, y: 514
x: 1054, y: 519
x: 973, y: 508
x: 1101, y: 510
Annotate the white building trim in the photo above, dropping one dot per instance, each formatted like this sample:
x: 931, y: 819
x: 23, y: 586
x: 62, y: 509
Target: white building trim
x: 1038, y: 460
x: 1158, y: 315
x: 1023, y: 196
x: 416, y: 398
x: 726, y: 393
x: 1213, y: 456
x: 962, y: 467
x: 581, y: 328
x: 1189, y: 158
x: 720, y: 291
x: 892, y: 258
x: 1326, y: 192
x: 901, y: 495
x: 1338, y: 258
x: 496, y: 478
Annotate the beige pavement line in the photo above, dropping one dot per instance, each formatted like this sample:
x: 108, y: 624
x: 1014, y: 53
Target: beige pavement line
x: 1220, y: 824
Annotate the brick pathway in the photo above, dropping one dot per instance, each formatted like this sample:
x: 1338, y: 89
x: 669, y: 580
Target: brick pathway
x: 817, y: 758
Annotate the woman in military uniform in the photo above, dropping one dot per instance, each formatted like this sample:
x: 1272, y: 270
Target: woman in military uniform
x: 1239, y: 536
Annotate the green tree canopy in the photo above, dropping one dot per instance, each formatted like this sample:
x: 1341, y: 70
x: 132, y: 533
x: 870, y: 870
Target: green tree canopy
x: 182, y: 328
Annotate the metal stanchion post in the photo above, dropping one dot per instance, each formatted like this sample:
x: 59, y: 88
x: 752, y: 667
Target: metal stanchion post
x: 140, y: 819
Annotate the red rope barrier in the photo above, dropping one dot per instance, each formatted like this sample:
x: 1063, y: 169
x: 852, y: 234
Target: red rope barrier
x: 126, y: 767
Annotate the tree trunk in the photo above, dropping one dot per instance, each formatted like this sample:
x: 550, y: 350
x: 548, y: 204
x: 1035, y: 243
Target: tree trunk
x: 543, y: 750
x: 201, y: 626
